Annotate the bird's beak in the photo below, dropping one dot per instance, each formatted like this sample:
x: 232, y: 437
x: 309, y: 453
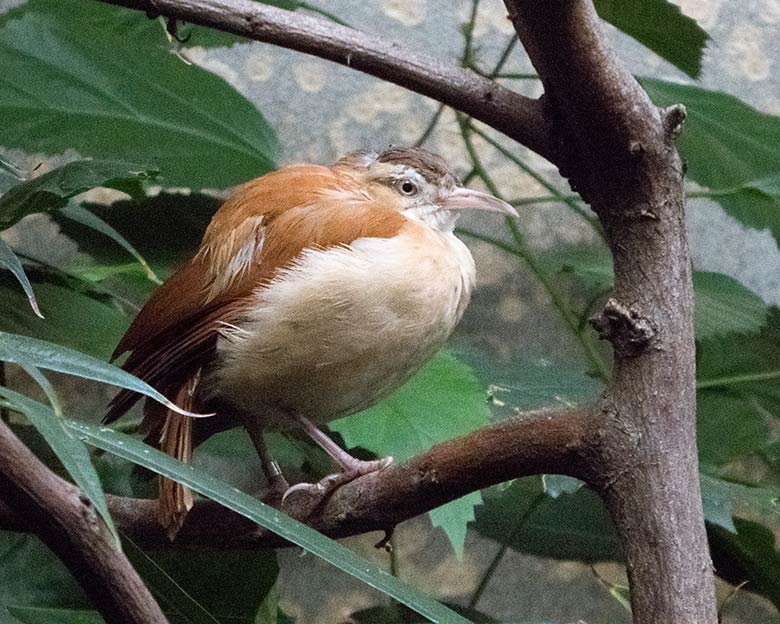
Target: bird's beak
x: 465, y: 199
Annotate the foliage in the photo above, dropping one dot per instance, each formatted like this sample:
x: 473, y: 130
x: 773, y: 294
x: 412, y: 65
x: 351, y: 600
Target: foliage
x: 103, y: 81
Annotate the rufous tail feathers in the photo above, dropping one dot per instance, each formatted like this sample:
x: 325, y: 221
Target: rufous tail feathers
x: 176, y: 440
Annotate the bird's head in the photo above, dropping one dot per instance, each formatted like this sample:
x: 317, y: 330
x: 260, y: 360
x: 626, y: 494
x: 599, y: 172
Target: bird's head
x: 421, y: 184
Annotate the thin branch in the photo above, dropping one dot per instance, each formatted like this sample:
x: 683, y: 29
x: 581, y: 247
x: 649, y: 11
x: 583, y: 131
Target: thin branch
x: 569, y: 317
x: 65, y: 520
x: 517, y: 116
x: 540, y: 442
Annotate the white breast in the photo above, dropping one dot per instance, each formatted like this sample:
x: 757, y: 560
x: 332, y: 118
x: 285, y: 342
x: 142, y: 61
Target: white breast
x: 346, y: 326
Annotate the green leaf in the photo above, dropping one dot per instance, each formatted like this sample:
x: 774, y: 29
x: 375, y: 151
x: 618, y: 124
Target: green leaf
x: 207, y: 586
x: 165, y: 229
x: 522, y: 385
x: 749, y: 555
x: 52, y: 190
x: 660, y: 26
x: 79, y: 214
x: 49, y: 615
x: 9, y: 260
x: 454, y: 518
x: 71, y: 452
x: 66, y: 310
x: 724, y: 306
x: 442, y: 401
x: 720, y: 411
x: 749, y: 365
x: 716, y: 501
x: 729, y: 148
x: 755, y: 203
x: 50, y: 586
x: 137, y: 452
x: 572, y: 526
x: 102, y: 80
x: 15, y: 348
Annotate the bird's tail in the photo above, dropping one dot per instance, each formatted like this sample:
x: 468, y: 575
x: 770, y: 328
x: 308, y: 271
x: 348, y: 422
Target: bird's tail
x: 176, y: 440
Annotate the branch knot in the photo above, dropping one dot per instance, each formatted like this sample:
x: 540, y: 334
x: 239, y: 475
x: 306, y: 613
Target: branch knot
x: 626, y: 328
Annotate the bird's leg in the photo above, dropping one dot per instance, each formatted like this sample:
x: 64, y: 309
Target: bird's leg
x: 349, y: 464
x: 270, y: 466
x: 352, y: 467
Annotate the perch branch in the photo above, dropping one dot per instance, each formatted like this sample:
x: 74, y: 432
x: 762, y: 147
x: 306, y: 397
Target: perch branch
x: 549, y: 441
x: 517, y: 116
x: 620, y: 154
x: 68, y: 524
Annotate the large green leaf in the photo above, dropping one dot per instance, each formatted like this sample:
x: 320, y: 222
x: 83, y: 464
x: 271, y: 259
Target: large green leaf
x: 15, y: 348
x: 66, y: 310
x: 10, y: 261
x: 454, y: 517
x: 719, y: 411
x: 71, y: 452
x: 71, y: 82
x: 79, y: 214
x: 137, y: 452
x: 442, y: 401
x: 749, y: 555
x: 50, y: 586
x: 729, y: 148
x: 723, y: 305
x: 52, y: 190
x: 207, y: 586
x: 165, y: 229
x: 570, y: 526
x: 662, y: 27
x: 748, y: 365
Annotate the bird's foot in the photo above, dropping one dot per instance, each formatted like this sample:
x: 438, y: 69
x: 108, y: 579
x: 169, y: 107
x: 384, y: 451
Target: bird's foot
x: 317, y: 492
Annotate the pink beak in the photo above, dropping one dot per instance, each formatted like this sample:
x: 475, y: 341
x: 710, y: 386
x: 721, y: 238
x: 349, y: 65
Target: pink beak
x: 469, y: 199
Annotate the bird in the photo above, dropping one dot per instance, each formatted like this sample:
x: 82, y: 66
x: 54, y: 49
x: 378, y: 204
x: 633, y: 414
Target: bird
x: 316, y: 291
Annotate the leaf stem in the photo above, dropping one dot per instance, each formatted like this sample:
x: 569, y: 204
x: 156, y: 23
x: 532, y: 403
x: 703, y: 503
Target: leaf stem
x: 718, y: 382
x: 430, y: 127
x: 545, y: 279
x: 499, y: 556
x: 516, y: 76
x: 569, y: 200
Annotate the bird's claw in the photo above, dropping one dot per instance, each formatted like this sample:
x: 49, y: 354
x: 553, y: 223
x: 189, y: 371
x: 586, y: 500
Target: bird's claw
x: 327, y: 485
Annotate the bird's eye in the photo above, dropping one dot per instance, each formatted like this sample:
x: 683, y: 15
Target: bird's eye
x: 407, y: 187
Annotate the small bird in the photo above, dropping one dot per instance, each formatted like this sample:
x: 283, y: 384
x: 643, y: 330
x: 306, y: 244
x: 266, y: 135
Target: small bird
x: 315, y: 293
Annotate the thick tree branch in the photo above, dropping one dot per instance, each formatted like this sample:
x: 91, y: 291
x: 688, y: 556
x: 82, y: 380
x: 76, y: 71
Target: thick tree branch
x: 69, y: 525
x: 517, y: 116
x: 620, y: 155
x: 550, y: 441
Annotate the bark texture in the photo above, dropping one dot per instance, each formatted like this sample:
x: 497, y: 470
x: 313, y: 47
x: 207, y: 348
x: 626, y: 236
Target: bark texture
x: 68, y: 524
x: 618, y: 152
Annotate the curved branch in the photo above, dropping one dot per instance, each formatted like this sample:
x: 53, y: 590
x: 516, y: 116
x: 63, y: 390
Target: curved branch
x: 69, y: 525
x: 539, y: 442
x: 517, y: 116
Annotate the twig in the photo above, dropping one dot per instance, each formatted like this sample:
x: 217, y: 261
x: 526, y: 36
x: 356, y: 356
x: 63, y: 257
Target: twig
x: 545, y: 279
